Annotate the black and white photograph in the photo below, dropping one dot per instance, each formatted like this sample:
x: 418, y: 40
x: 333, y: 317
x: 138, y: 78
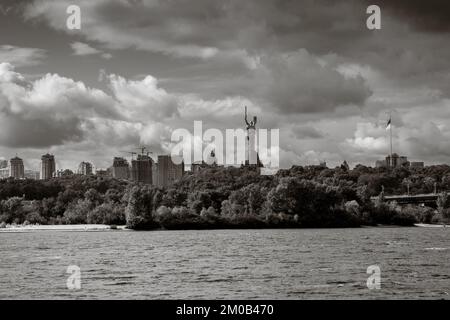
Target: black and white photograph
x: 252, y: 151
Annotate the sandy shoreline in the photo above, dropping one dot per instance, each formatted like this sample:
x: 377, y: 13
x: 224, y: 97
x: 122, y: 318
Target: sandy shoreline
x: 104, y: 227
x: 426, y: 225
x: 73, y: 227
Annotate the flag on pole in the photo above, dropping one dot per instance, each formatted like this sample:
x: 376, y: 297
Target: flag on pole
x: 388, y: 125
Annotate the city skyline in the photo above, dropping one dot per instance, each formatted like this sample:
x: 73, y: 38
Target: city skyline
x: 312, y: 70
x: 203, y: 151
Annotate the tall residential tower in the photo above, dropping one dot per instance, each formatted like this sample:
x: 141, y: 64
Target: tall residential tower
x: 141, y: 169
x: 167, y: 171
x: 48, y: 166
x: 120, y: 168
x: 16, y: 169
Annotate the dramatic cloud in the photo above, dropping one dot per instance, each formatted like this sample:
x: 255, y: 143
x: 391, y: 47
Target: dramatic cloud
x: 298, y: 82
x: 310, y: 68
x: 143, y: 99
x: 205, y: 28
x: 231, y: 37
x: 426, y: 141
x: 64, y: 115
x: 47, y: 111
x: 371, y: 138
x: 54, y: 110
x: 430, y: 16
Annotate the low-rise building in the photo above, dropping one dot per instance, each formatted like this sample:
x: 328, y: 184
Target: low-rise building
x: 3, y: 164
x: 397, y: 161
x: 103, y: 172
x: 4, y: 173
x: 64, y: 173
x: 417, y: 164
x: 31, y: 174
x: 85, y: 168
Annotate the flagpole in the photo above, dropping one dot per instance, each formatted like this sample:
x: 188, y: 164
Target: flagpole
x: 390, y: 129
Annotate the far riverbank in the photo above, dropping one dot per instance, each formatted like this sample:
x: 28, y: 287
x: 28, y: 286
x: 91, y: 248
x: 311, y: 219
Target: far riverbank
x: 68, y: 227
x: 103, y: 227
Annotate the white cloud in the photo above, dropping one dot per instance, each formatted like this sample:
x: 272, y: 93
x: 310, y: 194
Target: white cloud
x: 21, y: 57
x: 131, y: 16
x: 107, y: 55
x: 143, y: 100
x: 83, y: 49
x: 55, y: 110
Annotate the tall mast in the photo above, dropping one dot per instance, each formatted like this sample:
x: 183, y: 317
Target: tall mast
x: 391, y: 160
x: 390, y: 129
x: 245, y: 118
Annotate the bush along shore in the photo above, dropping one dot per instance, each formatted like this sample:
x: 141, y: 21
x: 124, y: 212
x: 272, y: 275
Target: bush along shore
x: 300, y: 197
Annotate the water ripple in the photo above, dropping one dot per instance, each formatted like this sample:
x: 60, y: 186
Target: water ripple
x: 227, y: 264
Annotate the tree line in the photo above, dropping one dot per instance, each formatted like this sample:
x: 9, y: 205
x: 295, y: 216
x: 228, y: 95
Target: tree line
x: 231, y: 197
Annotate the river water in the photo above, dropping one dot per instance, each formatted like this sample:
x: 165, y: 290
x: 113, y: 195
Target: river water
x: 227, y: 264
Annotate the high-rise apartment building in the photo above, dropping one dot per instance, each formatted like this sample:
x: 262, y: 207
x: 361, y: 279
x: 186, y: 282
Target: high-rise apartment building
x: 141, y: 169
x: 48, y: 166
x: 120, y: 168
x: 168, y: 172
x: 16, y: 169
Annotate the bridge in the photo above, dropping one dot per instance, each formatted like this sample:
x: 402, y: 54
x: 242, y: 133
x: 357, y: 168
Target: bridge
x: 425, y: 199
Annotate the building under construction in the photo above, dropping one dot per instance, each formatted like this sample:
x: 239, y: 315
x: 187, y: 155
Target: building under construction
x: 120, y: 168
x: 141, y: 169
x: 167, y: 171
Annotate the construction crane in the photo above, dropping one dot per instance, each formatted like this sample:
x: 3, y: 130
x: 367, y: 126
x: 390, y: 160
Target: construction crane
x: 143, y: 148
x: 130, y: 152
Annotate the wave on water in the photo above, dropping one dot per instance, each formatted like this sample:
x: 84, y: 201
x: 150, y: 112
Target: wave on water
x: 45, y: 259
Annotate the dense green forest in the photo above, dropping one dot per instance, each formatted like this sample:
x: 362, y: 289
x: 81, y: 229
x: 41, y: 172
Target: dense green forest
x: 231, y: 198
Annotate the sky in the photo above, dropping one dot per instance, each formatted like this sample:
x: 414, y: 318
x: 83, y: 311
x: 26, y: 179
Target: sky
x: 138, y: 69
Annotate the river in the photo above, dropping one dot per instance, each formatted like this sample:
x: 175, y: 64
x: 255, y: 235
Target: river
x: 227, y: 264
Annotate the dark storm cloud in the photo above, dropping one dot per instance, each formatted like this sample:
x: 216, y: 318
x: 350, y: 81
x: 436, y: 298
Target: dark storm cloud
x: 429, y: 15
x: 186, y: 27
x: 228, y: 34
x: 19, y: 132
x: 308, y: 62
x: 55, y: 110
x: 299, y: 83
